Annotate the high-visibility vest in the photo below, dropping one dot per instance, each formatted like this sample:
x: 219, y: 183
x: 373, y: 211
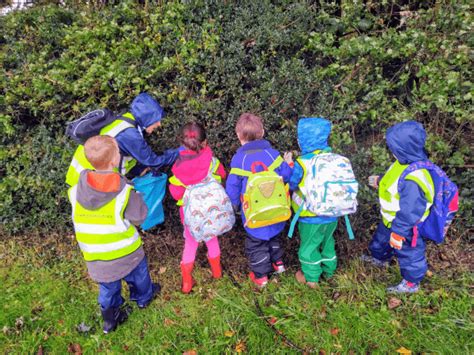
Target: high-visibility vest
x: 213, y: 167
x: 79, y: 161
x: 388, y: 191
x: 104, y: 233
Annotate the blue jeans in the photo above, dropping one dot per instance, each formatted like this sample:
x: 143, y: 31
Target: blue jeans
x: 139, y: 283
x: 412, y: 260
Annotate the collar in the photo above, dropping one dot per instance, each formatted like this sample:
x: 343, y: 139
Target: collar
x: 255, y: 145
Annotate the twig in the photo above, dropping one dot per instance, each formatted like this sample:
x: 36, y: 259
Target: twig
x: 348, y: 77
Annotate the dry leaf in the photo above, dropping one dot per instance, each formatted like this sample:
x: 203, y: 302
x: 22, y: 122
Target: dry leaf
x: 394, y: 302
x: 190, y: 352
x: 404, y: 351
x: 240, y: 347
x: 429, y: 273
x: 334, y: 331
x: 40, y: 350
x: 229, y: 333
x: 74, y: 348
x: 19, y: 322
x: 336, y: 295
x: 162, y: 270
x: 168, y: 322
x: 322, y: 352
x: 273, y: 320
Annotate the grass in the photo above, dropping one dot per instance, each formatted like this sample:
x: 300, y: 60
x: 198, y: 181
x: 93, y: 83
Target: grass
x: 46, y: 294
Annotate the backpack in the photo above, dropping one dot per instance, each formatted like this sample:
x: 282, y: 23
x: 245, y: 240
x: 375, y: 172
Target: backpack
x: 91, y: 123
x: 207, y: 209
x: 266, y: 199
x: 330, y: 188
x: 445, y: 202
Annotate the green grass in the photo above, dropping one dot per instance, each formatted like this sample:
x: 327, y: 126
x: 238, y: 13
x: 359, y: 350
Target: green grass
x: 46, y: 294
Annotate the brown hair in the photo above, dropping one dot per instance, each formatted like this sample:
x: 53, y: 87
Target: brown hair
x: 192, y: 136
x: 249, y: 127
x: 100, y: 151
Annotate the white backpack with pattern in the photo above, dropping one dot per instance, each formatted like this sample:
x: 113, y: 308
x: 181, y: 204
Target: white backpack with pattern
x: 330, y: 187
x: 207, y: 209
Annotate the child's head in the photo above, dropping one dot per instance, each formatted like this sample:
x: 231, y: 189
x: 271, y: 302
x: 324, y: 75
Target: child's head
x: 313, y: 133
x: 193, y: 136
x: 406, y: 140
x: 102, y: 152
x: 249, y: 128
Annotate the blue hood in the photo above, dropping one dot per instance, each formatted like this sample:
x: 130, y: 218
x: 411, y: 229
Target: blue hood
x: 313, y: 133
x: 406, y: 140
x: 146, y: 110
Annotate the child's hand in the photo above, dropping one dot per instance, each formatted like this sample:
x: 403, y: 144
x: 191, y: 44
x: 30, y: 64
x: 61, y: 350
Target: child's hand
x: 374, y: 181
x: 288, y: 158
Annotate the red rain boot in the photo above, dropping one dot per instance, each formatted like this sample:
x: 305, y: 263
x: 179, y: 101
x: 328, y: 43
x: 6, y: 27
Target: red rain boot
x: 186, y: 272
x: 216, y: 267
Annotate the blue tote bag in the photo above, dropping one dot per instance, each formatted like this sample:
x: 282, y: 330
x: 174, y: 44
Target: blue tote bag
x: 153, y: 189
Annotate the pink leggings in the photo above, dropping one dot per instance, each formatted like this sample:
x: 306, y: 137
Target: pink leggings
x: 190, y: 248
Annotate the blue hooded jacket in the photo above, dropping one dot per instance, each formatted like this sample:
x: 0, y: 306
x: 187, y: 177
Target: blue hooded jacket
x: 146, y: 111
x: 313, y: 134
x: 406, y: 140
x: 258, y: 150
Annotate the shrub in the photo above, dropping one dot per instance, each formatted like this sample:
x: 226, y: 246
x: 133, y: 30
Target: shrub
x: 363, y: 66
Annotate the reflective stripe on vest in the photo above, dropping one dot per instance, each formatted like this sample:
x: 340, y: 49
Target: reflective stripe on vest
x: 388, y: 191
x: 79, y: 161
x: 104, y: 234
x: 213, y: 167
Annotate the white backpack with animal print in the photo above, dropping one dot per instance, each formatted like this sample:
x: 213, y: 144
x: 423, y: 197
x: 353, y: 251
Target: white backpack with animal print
x: 207, y: 209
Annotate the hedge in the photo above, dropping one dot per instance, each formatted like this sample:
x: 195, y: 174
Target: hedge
x: 365, y: 66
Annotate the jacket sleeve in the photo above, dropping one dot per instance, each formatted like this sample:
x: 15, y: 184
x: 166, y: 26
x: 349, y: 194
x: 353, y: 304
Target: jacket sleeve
x: 412, y: 208
x: 133, y: 144
x: 136, y: 210
x: 233, y: 188
x: 296, y: 176
x: 177, y: 191
x: 284, y: 171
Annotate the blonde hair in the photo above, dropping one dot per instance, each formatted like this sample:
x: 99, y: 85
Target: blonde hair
x: 100, y: 151
x: 249, y: 127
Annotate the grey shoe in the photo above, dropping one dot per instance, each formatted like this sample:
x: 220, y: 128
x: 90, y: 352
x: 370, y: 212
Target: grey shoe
x: 113, y: 317
x: 374, y: 261
x: 403, y: 287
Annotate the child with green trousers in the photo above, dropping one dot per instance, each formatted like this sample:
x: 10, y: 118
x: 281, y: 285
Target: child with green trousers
x: 317, y: 252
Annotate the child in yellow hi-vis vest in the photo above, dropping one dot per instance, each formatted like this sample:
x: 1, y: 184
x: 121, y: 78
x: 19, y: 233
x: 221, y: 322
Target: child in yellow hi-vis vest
x: 105, y: 210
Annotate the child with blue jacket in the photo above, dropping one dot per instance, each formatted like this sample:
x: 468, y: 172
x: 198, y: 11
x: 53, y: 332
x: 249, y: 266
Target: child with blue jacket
x: 262, y: 245
x: 396, y: 235
x: 317, y: 252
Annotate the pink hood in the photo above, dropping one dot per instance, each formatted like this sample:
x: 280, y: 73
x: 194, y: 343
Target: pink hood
x: 191, y: 167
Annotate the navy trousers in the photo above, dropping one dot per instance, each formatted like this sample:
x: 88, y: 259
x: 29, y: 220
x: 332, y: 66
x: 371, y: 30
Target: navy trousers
x: 262, y: 253
x: 139, y: 283
x: 412, y: 259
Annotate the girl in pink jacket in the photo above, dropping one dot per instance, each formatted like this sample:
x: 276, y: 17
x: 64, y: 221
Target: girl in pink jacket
x: 194, y: 163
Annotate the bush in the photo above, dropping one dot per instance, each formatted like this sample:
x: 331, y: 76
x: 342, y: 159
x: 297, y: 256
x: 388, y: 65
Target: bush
x: 363, y: 66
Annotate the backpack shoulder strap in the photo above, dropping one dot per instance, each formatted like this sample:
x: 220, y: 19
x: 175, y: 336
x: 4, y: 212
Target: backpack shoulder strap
x: 276, y: 163
x: 175, y: 181
x: 124, y: 117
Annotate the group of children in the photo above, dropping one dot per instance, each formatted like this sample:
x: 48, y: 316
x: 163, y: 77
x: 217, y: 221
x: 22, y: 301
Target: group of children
x: 106, y: 209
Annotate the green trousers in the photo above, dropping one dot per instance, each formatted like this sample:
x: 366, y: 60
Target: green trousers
x: 317, y: 254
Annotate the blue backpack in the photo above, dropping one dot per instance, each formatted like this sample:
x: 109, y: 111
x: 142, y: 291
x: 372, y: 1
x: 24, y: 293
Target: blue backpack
x: 445, y: 202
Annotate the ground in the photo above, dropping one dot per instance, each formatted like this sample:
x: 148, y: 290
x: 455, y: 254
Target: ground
x: 49, y: 304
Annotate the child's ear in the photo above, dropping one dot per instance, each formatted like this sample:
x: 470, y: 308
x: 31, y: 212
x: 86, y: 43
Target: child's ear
x: 263, y: 132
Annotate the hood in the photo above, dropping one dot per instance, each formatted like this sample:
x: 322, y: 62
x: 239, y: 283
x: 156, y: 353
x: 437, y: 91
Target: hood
x: 95, y: 189
x: 313, y: 133
x: 191, y: 167
x: 146, y: 110
x: 406, y: 140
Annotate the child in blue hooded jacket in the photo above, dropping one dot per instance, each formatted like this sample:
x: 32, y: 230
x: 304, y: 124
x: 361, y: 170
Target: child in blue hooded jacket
x: 401, y: 210
x: 136, y: 154
x: 262, y: 244
x: 317, y: 252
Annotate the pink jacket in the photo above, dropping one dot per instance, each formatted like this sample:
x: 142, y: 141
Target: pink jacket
x: 191, y: 168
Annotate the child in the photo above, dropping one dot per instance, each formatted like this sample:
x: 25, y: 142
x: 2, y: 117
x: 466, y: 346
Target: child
x: 262, y: 244
x: 194, y: 163
x: 402, y: 210
x: 105, y: 209
x: 317, y: 254
x: 145, y: 115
